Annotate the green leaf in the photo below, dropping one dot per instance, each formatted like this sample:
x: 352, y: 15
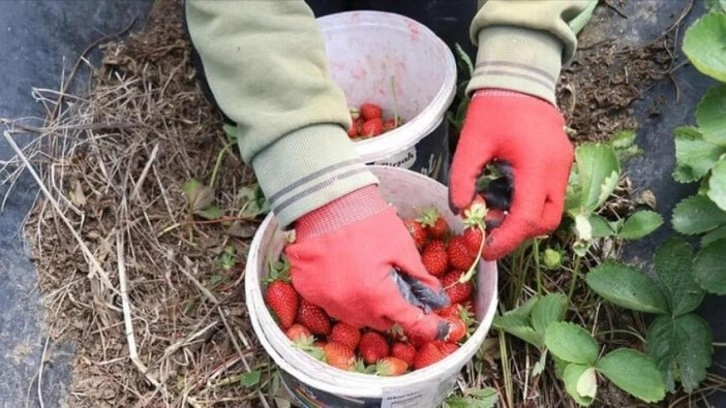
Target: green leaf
x: 230, y: 131
x: 681, y: 348
x: 587, y: 384
x: 626, y: 287
x: 715, y: 235
x: 539, y: 367
x: 697, y: 214
x: 210, y: 213
x: 673, y: 265
x: 633, y: 372
x: 640, y: 224
x: 709, y: 269
x: 703, y: 45
x: 464, y: 58
x: 717, y: 184
x: 623, y: 139
x: 583, y: 229
x: 250, y: 379
x: 549, y: 309
x: 479, y: 398
x: 711, y: 113
x: 252, y: 201
x: 598, y: 170
x: 600, y: 227
x: 198, y: 195
x: 716, y: 5
x: 571, y: 343
x: 571, y: 377
x: 518, y: 327
x: 694, y: 156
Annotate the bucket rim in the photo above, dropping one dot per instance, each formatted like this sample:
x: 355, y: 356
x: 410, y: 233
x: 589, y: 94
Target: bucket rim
x: 428, y: 375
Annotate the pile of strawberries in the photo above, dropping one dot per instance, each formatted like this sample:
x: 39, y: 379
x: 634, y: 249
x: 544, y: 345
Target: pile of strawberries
x: 448, y: 256
x: 368, y: 121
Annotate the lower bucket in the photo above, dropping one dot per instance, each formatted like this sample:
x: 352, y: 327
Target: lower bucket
x: 401, y: 65
x: 316, y: 384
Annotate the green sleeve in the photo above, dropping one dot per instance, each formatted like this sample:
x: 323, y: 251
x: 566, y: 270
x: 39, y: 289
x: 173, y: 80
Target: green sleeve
x: 522, y: 44
x: 266, y: 67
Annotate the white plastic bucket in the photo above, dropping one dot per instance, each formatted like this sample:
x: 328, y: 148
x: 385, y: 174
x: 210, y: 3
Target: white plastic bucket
x: 368, y: 52
x: 316, y: 384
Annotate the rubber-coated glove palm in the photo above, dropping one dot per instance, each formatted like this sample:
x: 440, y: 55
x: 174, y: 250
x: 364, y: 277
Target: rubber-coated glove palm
x: 343, y: 260
x: 525, y: 136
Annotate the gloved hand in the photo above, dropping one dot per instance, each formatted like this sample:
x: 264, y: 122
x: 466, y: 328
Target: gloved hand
x: 343, y: 260
x: 526, y: 137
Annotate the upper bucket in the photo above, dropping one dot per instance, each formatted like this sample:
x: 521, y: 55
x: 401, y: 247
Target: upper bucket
x: 370, y: 54
x: 311, y: 380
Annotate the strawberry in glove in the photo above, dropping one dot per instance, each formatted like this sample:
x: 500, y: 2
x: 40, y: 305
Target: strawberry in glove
x: 266, y: 70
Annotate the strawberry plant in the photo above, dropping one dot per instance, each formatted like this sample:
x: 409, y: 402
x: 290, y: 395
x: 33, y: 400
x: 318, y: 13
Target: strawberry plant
x: 701, y: 154
x: 678, y: 340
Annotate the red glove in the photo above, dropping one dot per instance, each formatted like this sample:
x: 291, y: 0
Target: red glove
x: 526, y: 135
x: 343, y: 260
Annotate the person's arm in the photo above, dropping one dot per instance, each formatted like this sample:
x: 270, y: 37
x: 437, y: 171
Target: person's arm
x: 266, y: 67
x: 522, y: 44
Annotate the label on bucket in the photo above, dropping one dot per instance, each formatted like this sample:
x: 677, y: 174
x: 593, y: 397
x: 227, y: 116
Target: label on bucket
x: 405, y: 159
x: 408, y: 399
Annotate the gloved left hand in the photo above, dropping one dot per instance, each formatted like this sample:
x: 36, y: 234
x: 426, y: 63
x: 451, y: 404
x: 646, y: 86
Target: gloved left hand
x: 355, y: 259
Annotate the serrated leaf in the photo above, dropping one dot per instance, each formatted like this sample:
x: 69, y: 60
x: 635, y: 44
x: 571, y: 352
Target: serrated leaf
x: 626, y: 287
x: 697, y: 214
x: 711, y: 113
x: 703, y: 45
x: 633, y: 372
x: 717, y: 184
x: 480, y: 398
x: 583, y: 227
x: 598, y: 169
x: 587, y: 384
x: 520, y: 328
x: 571, y: 377
x: 640, y: 224
x: 198, y: 195
x: 681, y: 348
x: 694, y: 156
x: 715, y: 235
x: 210, y: 213
x: 709, y: 267
x: 623, y: 139
x: 551, y: 308
x: 250, y: 379
x: 571, y: 343
x: 600, y: 227
x: 673, y: 265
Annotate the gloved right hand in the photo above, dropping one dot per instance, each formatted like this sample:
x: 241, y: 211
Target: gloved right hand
x: 355, y: 259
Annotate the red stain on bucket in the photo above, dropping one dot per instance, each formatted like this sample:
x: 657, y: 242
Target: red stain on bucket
x: 413, y: 30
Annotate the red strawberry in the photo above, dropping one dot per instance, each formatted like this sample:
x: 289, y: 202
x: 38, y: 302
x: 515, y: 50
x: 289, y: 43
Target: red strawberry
x: 434, y: 258
x: 426, y: 355
x: 446, y: 348
x: 284, y: 301
x: 404, y: 351
x: 373, y: 347
x: 370, y: 111
x: 320, y: 344
x: 314, y: 318
x: 354, y: 129
x: 456, y: 291
x: 389, y: 124
x: 434, y: 223
x: 345, y: 334
x: 371, y: 128
x: 417, y: 232
x: 472, y: 238
x: 391, y: 366
x: 451, y: 310
x: 457, y: 329
x: 458, y: 253
x: 298, y: 332
x: 339, y: 356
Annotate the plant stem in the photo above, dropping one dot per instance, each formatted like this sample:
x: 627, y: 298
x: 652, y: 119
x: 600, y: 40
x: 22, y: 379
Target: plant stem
x: 508, y: 386
x: 623, y: 331
x: 575, y: 277
x: 217, y: 163
x: 719, y: 344
x: 537, y: 267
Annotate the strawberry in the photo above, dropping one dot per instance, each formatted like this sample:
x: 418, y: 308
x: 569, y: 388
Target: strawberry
x: 339, y: 356
x: 345, y: 334
x: 373, y: 347
x: 370, y: 111
x: 458, y: 254
x: 417, y: 231
x: 472, y: 238
x: 389, y: 124
x: 404, y: 351
x: 435, y: 224
x: 284, y: 301
x: 313, y: 318
x: 371, y: 128
x: 446, y: 348
x: 391, y: 366
x: 434, y: 258
x: 298, y: 332
x: 455, y: 290
x: 457, y: 329
x: 426, y: 355
x: 451, y: 310
x: 354, y: 129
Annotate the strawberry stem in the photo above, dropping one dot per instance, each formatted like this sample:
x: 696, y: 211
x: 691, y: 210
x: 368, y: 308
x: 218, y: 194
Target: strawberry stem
x: 472, y: 269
